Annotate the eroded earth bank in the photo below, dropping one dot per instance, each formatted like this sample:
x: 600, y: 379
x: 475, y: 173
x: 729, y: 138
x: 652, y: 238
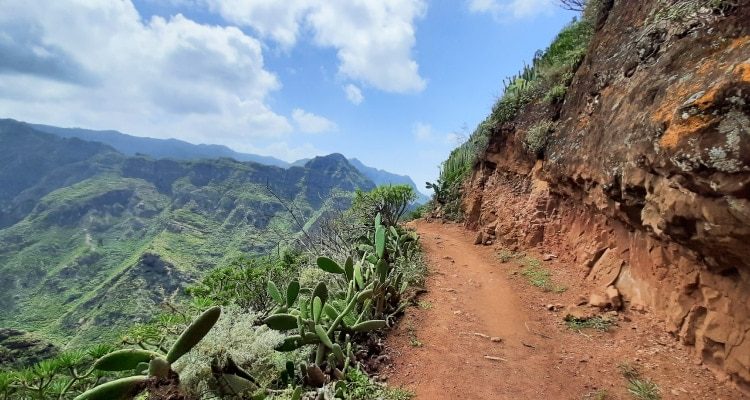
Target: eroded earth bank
x: 643, y: 185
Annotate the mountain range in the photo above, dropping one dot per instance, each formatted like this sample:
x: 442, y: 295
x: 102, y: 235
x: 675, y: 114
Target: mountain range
x: 91, y: 237
x: 181, y: 150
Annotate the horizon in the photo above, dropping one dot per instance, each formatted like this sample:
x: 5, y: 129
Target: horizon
x: 255, y: 66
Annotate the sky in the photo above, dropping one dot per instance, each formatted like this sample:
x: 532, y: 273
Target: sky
x: 395, y: 83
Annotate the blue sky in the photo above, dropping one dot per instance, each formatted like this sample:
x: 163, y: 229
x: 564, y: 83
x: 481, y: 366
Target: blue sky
x: 395, y: 83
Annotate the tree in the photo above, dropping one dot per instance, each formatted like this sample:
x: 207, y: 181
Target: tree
x: 389, y: 201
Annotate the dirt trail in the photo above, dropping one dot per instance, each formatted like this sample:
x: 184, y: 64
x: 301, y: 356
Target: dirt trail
x: 481, y: 332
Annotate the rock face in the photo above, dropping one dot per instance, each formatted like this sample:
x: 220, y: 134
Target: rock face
x: 19, y: 349
x: 645, y: 179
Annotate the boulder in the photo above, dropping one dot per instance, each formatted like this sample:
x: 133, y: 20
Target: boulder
x: 599, y: 301
x: 480, y: 238
x: 613, y: 297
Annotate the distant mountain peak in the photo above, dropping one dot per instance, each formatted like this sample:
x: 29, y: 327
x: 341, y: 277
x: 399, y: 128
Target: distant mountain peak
x: 180, y: 150
x: 177, y: 149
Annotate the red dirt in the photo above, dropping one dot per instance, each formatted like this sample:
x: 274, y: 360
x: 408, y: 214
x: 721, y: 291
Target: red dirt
x: 439, y: 349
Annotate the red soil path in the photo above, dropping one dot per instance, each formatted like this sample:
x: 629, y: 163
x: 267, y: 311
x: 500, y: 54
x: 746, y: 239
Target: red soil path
x: 483, y: 332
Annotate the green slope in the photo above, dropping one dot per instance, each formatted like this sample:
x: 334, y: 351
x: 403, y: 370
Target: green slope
x: 102, y: 251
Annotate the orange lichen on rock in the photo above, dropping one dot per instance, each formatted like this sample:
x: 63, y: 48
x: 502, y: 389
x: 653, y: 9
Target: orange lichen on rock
x: 739, y: 42
x: 583, y: 121
x: 743, y: 72
x: 674, y: 98
x: 685, y: 128
x: 677, y: 126
x: 708, y: 99
x: 667, y: 110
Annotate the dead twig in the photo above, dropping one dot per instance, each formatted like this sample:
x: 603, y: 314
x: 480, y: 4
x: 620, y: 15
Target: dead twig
x: 534, y: 332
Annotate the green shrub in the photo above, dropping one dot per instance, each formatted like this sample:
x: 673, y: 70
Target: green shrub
x: 235, y: 339
x: 361, y: 295
x: 455, y: 169
x: 556, y: 94
x: 359, y: 386
x: 413, y: 268
x: 639, y: 388
x: 643, y: 389
x: 418, y: 212
x: 143, y: 366
x: 243, y: 282
x: 536, y: 137
x: 566, y: 51
x: 390, y: 201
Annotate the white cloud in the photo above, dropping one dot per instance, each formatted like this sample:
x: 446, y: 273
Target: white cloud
x: 480, y: 6
x: 278, y: 20
x: 512, y: 9
x: 454, y: 139
x: 373, y: 39
x: 289, y: 153
x: 422, y: 131
x: 100, y: 65
x: 353, y: 94
x: 308, y: 122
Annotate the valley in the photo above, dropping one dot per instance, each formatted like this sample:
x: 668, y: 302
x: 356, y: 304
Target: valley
x: 95, y: 239
x: 587, y: 240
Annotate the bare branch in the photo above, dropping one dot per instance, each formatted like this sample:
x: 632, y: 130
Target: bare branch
x: 573, y: 5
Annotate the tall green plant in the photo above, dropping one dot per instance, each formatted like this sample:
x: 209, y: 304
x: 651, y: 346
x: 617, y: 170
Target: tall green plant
x: 147, y: 364
x: 364, y: 296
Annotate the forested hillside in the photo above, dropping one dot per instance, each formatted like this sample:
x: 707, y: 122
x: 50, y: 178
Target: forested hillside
x: 93, y: 239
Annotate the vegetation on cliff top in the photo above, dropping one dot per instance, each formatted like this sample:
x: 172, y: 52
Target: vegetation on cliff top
x: 545, y: 81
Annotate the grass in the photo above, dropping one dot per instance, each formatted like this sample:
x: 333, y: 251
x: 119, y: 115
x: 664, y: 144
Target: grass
x: 629, y: 371
x: 397, y: 394
x: 424, y: 305
x: 539, y: 276
x: 413, y: 340
x: 598, y: 323
x: 360, y: 387
x: 643, y: 389
x: 640, y: 388
x: 556, y: 93
x: 600, y: 394
x: 536, y: 136
x: 506, y: 255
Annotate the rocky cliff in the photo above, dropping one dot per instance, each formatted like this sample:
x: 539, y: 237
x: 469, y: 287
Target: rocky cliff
x: 645, y: 177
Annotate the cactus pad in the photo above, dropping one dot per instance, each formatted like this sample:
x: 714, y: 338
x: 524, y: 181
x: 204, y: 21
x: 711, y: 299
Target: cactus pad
x: 124, y: 360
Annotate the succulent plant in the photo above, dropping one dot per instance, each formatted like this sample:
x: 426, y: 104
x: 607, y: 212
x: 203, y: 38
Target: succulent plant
x: 288, y: 298
x: 363, y: 296
x: 156, y: 364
